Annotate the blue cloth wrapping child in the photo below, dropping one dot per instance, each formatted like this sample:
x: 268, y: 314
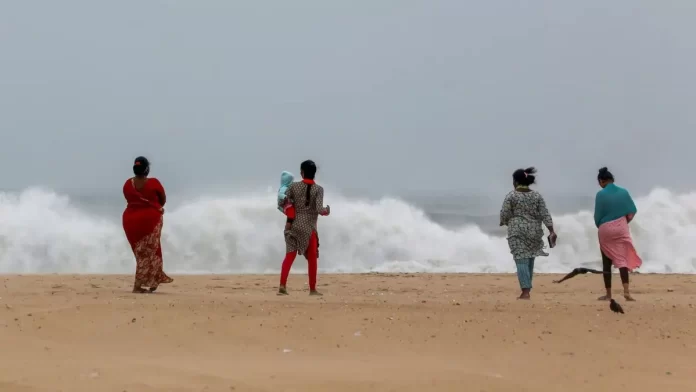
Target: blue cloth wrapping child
x: 286, y: 179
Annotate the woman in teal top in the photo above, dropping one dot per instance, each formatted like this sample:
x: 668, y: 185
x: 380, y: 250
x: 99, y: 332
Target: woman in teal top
x: 612, y: 202
x: 614, y: 210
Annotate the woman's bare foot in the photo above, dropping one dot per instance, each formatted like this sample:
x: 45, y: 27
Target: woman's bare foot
x: 628, y: 297
x: 315, y: 293
x: 604, y: 298
x: 525, y: 294
x: 282, y: 291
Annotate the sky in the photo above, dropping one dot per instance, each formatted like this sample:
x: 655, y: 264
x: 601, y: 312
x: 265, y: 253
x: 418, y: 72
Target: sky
x: 387, y: 96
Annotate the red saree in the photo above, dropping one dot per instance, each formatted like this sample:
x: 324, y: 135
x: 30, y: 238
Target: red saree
x: 142, y: 222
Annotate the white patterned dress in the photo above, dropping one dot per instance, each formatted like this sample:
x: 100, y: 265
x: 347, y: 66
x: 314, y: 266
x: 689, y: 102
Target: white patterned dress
x: 523, y: 213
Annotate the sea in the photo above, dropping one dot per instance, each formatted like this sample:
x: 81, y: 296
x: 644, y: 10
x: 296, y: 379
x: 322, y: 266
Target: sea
x: 45, y: 231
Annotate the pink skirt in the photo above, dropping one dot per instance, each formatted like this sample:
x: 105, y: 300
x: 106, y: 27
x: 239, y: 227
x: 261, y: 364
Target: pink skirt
x: 616, y: 243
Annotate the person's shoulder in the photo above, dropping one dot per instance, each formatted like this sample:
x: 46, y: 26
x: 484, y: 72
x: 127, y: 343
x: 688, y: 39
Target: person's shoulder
x: 624, y: 191
x: 154, y: 182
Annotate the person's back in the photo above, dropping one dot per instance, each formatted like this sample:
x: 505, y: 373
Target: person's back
x: 524, y: 211
x: 142, y: 193
x: 611, y: 203
x: 526, y: 206
x: 313, y: 205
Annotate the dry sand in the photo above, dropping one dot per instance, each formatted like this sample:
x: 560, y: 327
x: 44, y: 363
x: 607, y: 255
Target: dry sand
x: 368, y: 333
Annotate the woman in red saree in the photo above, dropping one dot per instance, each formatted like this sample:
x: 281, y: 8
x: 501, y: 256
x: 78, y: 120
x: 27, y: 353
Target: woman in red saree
x: 142, y: 222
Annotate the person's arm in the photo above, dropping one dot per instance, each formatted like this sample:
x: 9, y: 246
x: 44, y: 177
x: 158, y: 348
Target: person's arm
x: 545, y: 215
x: 162, y: 197
x: 161, y: 194
x: 319, y: 202
x: 633, y: 210
x: 597, y: 210
x: 290, y: 212
x: 506, y: 211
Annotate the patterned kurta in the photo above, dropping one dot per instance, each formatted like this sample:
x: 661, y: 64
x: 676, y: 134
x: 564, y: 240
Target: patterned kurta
x: 523, y: 213
x: 297, y: 238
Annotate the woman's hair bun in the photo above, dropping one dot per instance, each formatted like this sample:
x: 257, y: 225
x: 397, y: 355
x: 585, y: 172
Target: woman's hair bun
x: 530, y: 170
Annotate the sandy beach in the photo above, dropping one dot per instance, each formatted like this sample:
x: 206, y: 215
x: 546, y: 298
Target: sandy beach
x: 373, y: 332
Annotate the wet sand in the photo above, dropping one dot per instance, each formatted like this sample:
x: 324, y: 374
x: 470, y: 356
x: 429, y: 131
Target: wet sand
x: 368, y: 333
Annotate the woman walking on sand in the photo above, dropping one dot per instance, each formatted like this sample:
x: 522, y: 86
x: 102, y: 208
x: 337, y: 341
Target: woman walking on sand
x: 301, y: 236
x: 142, y: 222
x: 523, y: 212
x: 614, y: 210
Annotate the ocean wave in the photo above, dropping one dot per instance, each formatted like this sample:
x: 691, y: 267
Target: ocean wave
x: 45, y: 232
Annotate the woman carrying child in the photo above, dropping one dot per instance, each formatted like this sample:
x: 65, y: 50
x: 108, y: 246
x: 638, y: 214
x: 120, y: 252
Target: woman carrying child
x: 303, y: 203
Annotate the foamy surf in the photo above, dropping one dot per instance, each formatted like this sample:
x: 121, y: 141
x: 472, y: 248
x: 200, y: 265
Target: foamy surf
x: 44, y: 232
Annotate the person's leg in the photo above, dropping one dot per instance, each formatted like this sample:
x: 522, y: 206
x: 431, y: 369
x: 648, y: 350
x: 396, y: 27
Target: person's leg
x: 623, y: 272
x: 606, y: 267
x: 138, y: 288
x: 312, y: 256
x: 285, y: 271
x: 140, y: 270
x: 524, y: 277
x: 531, y: 273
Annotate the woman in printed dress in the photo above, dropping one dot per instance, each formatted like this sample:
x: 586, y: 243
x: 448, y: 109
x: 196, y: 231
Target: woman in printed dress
x: 614, y: 210
x: 301, y: 236
x: 142, y: 222
x: 524, y: 212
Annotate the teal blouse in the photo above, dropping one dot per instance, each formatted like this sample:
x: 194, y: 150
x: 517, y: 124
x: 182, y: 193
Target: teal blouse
x: 612, y: 203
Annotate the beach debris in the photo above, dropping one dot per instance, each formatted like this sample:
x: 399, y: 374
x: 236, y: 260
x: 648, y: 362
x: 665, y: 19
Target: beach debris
x: 286, y: 350
x: 578, y: 271
x: 615, y: 307
x: 357, y: 334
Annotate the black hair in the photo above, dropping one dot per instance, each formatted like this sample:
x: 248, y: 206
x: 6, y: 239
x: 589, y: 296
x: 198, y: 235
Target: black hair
x: 141, y: 167
x: 524, y: 177
x: 604, y: 175
x: 309, y: 170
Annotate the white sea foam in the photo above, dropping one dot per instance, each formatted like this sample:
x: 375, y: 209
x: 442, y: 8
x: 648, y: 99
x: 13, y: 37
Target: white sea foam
x: 42, y: 232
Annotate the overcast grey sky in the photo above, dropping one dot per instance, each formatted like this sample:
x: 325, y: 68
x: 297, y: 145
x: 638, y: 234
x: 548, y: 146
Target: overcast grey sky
x: 386, y: 95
